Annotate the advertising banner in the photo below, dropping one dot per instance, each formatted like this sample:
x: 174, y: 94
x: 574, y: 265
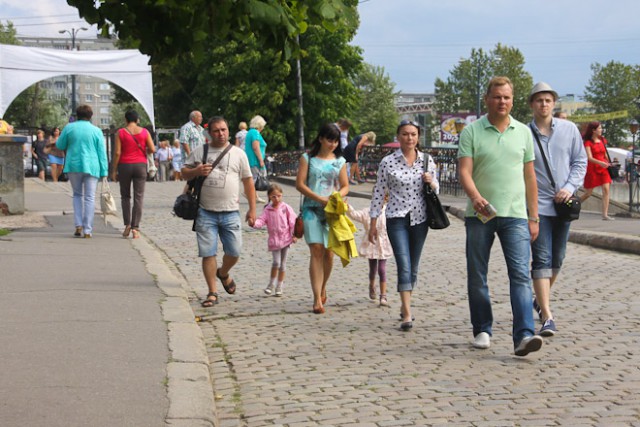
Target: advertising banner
x: 448, y: 129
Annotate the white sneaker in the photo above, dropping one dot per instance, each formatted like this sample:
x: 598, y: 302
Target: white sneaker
x: 482, y: 340
x: 528, y: 345
x: 279, y: 289
x: 269, y: 289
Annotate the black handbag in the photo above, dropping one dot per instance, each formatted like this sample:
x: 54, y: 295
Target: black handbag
x: 437, y: 218
x: 566, y: 211
x: 262, y: 183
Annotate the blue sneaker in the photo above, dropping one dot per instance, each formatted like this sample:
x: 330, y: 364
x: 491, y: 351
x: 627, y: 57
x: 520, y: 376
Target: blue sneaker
x: 537, y: 308
x: 548, y: 328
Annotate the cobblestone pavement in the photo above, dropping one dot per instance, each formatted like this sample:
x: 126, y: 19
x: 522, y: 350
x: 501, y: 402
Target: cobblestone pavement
x: 274, y: 362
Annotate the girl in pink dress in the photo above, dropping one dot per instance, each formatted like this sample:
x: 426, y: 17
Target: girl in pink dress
x: 377, y: 252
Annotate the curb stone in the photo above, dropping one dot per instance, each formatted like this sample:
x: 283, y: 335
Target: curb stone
x: 189, y: 385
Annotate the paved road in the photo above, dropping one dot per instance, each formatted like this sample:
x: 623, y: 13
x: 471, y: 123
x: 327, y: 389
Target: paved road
x: 274, y: 362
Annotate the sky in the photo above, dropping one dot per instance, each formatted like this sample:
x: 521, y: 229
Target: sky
x: 417, y: 41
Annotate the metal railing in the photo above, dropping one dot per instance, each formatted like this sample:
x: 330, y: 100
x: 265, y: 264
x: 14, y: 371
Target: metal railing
x: 285, y: 163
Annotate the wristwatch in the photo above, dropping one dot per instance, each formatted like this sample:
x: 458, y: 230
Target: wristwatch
x: 534, y: 219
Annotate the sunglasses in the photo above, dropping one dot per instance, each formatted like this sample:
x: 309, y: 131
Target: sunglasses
x: 409, y: 122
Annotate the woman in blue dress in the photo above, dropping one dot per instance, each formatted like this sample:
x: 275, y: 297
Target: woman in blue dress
x: 322, y: 171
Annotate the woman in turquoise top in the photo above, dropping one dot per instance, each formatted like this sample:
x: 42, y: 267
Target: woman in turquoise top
x: 256, y: 149
x: 86, y: 162
x: 322, y: 171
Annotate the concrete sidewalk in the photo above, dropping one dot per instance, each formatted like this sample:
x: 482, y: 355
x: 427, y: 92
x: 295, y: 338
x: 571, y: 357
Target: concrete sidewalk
x: 96, y: 332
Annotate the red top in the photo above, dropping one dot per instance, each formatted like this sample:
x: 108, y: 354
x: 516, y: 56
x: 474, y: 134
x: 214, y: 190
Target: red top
x: 133, y: 150
x: 596, y: 174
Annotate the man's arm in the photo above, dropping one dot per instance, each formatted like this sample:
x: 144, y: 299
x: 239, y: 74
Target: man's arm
x: 465, y: 169
x: 250, y: 191
x: 189, y: 172
x: 531, y: 188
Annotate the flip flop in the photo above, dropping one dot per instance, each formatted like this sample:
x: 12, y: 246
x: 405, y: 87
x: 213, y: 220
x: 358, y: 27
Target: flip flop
x: 210, y: 302
x: 229, y: 287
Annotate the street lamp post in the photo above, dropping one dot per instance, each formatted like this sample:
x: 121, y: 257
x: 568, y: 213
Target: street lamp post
x: 632, y: 167
x: 73, y: 32
x: 479, y: 65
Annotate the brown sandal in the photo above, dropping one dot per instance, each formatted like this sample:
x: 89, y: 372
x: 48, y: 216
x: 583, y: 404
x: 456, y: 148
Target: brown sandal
x: 208, y: 302
x: 126, y: 231
x: 230, y: 287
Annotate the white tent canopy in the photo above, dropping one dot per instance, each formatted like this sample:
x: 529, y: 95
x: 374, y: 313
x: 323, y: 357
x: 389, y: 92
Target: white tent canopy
x: 20, y: 67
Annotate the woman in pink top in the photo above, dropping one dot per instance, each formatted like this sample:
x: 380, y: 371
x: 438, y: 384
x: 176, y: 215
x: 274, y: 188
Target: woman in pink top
x: 130, y: 166
x: 279, y: 218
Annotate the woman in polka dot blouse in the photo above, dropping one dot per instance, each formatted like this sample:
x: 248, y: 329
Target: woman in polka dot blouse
x: 402, y: 175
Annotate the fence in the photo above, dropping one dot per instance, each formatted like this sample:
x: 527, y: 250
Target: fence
x: 285, y: 163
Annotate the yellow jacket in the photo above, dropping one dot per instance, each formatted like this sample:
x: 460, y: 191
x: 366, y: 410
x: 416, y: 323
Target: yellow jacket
x: 341, y: 229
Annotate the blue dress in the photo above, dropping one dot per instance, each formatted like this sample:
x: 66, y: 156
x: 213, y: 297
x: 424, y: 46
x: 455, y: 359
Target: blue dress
x: 322, y: 179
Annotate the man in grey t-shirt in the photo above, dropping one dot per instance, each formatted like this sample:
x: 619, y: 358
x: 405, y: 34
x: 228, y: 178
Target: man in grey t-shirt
x: 219, y: 212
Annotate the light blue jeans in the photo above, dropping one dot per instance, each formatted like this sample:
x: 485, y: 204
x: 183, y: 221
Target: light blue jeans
x: 516, y: 245
x: 84, y: 199
x: 407, y: 242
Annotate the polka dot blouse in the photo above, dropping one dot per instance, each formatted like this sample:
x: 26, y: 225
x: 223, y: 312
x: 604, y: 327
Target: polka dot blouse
x: 404, y: 185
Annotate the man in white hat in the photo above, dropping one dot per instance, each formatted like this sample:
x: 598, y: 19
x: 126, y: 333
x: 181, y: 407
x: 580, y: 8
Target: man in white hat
x: 567, y: 160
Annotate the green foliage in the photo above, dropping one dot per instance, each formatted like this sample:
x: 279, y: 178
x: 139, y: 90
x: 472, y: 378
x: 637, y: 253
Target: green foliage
x: 613, y: 87
x: 168, y: 28
x: 376, y: 111
x: 8, y: 33
x: 32, y: 109
x: 471, y: 76
x: 241, y: 78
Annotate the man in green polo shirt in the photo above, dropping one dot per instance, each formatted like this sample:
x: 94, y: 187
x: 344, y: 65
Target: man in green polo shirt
x: 496, y: 157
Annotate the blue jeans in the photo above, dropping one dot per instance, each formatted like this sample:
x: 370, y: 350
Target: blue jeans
x: 516, y: 245
x: 407, y: 242
x: 84, y: 199
x: 550, y: 247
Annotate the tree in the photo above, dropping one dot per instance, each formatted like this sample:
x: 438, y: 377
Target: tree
x: 614, y: 87
x: 164, y: 29
x: 376, y: 111
x: 241, y: 78
x: 470, y: 77
x: 8, y: 33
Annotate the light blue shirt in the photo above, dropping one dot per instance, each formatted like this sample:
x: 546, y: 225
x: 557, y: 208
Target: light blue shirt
x: 86, y: 150
x: 567, y: 159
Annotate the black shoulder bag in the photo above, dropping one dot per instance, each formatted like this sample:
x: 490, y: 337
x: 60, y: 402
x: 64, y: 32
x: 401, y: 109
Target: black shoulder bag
x: 437, y: 218
x: 566, y: 211
x: 187, y: 204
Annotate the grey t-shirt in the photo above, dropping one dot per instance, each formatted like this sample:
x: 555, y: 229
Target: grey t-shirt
x: 221, y: 188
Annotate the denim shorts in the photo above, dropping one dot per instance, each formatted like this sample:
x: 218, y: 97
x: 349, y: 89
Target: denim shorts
x: 549, y: 249
x: 211, y: 225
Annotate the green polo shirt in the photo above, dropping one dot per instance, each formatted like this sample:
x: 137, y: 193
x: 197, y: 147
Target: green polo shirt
x: 498, y: 164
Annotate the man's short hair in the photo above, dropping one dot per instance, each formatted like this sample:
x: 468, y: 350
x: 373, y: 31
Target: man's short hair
x: 216, y: 119
x: 498, y: 81
x: 193, y: 114
x: 84, y: 112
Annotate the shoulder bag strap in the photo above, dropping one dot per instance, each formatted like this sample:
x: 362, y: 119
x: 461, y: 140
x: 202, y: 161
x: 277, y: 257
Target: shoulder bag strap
x: 606, y: 151
x: 544, y: 158
x: 136, y: 141
x: 307, y: 180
